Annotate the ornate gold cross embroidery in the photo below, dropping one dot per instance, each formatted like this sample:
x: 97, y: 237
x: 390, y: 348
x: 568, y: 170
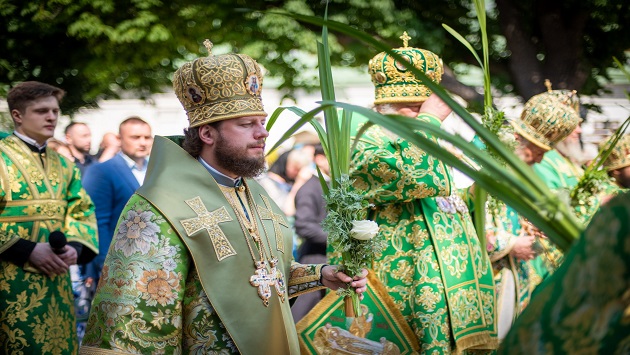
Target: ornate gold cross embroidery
x: 276, y: 219
x: 210, y: 222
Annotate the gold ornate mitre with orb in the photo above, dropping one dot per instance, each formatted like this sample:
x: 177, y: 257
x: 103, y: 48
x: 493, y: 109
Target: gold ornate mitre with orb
x: 548, y: 118
x: 221, y: 87
x: 393, y: 83
x: 619, y: 156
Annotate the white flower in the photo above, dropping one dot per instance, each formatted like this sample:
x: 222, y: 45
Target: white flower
x: 364, y: 230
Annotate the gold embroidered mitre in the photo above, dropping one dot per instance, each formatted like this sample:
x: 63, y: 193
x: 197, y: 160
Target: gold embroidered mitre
x: 393, y: 83
x: 221, y: 87
x: 567, y: 97
x: 547, y: 119
x: 619, y: 156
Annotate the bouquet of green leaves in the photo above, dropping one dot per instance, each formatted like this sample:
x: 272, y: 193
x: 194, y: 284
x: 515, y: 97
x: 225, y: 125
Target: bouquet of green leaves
x: 356, y: 239
x: 595, y: 178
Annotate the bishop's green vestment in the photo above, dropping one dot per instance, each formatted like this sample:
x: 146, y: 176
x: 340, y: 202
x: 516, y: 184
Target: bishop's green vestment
x: 561, y: 175
x: 37, y: 311
x: 433, y: 267
x: 180, y: 277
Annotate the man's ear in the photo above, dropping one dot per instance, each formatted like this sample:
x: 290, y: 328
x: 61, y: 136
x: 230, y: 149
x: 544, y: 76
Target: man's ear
x: 17, y: 116
x: 208, y: 134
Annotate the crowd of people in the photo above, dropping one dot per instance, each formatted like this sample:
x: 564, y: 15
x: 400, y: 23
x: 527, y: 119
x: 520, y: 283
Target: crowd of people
x: 195, y: 244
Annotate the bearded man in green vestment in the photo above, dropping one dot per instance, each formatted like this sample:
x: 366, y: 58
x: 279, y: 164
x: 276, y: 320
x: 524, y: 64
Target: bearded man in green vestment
x: 433, y: 268
x: 40, y: 193
x: 511, y: 247
x: 548, y: 119
x: 201, y: 260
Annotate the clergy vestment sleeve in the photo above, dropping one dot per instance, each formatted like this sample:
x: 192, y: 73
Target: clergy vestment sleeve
x: 390, y: 169
x: 80, y: 220
x: 140, y: 298
x: 19, y: 252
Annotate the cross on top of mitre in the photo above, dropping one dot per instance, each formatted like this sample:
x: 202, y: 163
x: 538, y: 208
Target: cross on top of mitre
x: 405, y: 38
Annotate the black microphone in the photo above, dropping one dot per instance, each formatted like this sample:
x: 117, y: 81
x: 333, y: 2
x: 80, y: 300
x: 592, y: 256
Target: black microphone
x: 57, y: 241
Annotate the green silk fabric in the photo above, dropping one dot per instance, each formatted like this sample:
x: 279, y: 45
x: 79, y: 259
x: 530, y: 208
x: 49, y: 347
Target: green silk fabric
x: 37, y: 311
x: 584, y: 307
x: 164, y: 289
x: 433, y: 267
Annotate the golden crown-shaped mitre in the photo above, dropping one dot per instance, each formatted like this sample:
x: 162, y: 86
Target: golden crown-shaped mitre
x: 619, y: 156
x: 546, y: 120
x: 567, y: 97
x: 221, y: 87
x: 393, y: 83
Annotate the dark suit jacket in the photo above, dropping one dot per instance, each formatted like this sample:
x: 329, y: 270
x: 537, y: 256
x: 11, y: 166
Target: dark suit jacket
x: 310, y: 211
x: 110, y: 185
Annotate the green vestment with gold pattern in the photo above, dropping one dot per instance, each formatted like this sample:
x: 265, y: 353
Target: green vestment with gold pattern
x: 512, y: 275
x: 561, y: 176
x: 178, y: 275
x: 433, y: 267
x: 37, y: 311
x: 584, y: 307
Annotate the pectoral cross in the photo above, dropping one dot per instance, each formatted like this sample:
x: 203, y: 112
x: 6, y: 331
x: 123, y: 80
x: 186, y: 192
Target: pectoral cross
x: 210, y: 222
x: 263, y: 281
x: 276, y: 218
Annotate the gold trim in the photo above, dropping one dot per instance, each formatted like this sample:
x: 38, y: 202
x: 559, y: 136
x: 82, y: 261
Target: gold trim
x: 380, y: 293
x: 489, y: 342
x: 27, y: 218
x: 528, y: 136
x: 88, y: 350
x: 267, y: 213
x: 9, y: 244
x: 307, y: 290
x: 18, y: 203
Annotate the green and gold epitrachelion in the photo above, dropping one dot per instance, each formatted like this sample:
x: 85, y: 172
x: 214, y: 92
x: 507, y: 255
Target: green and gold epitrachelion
x: 327, y: 325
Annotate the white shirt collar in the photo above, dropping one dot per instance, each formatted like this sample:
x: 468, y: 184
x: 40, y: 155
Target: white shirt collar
x: 132, y: 164
x: 30, y: 140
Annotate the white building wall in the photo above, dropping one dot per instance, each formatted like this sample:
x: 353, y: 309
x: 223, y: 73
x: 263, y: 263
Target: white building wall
x: 167, y: 117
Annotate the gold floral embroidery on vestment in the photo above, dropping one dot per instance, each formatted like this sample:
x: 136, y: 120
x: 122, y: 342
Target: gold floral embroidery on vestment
x: 210, y: 222
x: 159, y: 286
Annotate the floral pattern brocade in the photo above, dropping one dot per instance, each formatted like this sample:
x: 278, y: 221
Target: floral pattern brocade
x: 433, y: 267
x: 584, y: 307
x: 37, y: 311
x: 150, y: 298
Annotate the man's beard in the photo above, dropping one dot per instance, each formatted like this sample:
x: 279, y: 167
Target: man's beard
x: 234, y: 160
x: 572, y: 150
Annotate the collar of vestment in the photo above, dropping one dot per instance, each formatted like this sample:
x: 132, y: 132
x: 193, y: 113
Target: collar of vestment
x: 31, y: 143
x: 184, y: 191
x: 219, y: 177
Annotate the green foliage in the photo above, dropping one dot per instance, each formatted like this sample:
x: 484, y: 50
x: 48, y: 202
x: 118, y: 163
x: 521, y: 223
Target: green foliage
x: 516, y: 185
x: 98, y: 49
x: 345, y: 204
x: 595, y: 179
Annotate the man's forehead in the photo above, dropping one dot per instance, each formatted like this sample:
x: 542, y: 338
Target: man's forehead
x: 46, y: 101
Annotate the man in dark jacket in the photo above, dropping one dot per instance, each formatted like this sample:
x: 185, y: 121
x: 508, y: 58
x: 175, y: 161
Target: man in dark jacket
x: 310, y: 210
